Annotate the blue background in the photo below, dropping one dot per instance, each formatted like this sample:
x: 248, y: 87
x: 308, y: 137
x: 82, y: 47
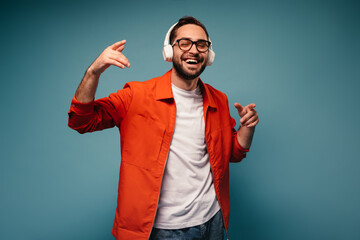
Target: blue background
x: 297, y: 60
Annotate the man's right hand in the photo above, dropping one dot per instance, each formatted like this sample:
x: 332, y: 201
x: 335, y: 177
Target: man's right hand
x: 112, y: 55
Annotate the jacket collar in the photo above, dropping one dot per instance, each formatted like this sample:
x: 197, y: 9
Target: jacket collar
x: 163, y: 87
x: 164, y: 91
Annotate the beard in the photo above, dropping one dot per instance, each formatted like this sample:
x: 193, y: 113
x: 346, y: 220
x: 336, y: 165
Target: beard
x: 187, y: 75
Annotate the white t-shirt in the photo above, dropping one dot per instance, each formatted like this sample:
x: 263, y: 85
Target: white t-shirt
x: 187, y: 196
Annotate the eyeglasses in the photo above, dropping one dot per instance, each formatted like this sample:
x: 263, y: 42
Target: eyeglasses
x: 186, y: 44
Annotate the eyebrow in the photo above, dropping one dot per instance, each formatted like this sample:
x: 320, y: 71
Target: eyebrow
x: 186, y: 38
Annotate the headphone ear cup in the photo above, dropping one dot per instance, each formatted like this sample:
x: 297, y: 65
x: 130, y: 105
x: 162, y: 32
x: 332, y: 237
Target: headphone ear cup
x: 211, y: 57
x: 168, y: 53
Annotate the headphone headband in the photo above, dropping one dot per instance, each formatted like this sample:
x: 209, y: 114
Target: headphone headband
x: 167, y: 37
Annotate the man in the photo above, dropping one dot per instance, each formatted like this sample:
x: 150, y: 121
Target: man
x: 177, y: 139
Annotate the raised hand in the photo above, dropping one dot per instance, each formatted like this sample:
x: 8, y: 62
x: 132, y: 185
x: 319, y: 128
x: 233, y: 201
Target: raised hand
x: 112, y: 55
x: 248, y: 115
x: 249, y: 119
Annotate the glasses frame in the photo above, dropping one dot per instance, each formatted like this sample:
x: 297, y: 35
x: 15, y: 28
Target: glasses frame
x: 192, y: 43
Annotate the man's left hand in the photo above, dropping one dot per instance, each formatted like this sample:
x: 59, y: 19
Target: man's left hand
x: 248, y: 115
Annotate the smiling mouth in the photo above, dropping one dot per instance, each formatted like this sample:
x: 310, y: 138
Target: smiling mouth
x: 191, y: 61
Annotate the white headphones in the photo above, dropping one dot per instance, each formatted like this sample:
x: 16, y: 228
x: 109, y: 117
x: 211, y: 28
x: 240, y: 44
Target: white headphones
x: 168, y: 50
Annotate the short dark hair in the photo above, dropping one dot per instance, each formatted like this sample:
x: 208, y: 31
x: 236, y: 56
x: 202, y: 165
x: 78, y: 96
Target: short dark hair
x: 184, y: 21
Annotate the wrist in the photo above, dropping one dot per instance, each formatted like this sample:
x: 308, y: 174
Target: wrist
x: 91, y: 72
x: 245, y: 135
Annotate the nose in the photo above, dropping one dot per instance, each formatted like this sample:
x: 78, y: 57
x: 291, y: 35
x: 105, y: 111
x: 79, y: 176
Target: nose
x: 193, y: 49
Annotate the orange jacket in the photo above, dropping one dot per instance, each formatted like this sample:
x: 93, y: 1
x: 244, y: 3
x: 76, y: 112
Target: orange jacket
x: 145, y: 114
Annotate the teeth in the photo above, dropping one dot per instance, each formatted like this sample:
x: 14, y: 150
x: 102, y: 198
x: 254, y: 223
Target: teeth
x: 191, y: 61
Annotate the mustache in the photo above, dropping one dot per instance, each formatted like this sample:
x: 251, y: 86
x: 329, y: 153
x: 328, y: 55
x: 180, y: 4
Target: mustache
x: 192, y: 55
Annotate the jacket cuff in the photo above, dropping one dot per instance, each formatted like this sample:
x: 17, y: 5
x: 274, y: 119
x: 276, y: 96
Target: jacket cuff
x: 81, y: 108
x: 238, y: 149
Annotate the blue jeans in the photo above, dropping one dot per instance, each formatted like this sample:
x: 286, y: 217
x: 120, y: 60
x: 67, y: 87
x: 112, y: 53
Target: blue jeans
x: 211, y: 230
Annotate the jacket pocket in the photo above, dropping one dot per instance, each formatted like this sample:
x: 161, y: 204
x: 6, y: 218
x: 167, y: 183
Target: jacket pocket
x: 141, y: 142
x: 219, y: 149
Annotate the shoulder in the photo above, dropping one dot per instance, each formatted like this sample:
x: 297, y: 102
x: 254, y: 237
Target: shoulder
x: 147, y: 84
x: 155, y: 88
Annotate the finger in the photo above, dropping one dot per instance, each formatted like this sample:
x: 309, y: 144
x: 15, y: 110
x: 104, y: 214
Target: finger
x: 250, y: 120
x: 119, y: 49
x: 120, y: 58
x: 238, y: 106
x: 253, y: 124
x: 116, y: 63
x: 246, y: 117
x: 118, y: 44
x: 240, y: 109
x: 250, y: 106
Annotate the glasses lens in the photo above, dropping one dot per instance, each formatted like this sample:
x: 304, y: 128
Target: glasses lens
x: 185, y: 44
x: 202, y: 45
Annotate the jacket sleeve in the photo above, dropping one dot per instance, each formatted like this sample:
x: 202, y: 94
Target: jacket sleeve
x: 100, y: 114
x: 238, y: 152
